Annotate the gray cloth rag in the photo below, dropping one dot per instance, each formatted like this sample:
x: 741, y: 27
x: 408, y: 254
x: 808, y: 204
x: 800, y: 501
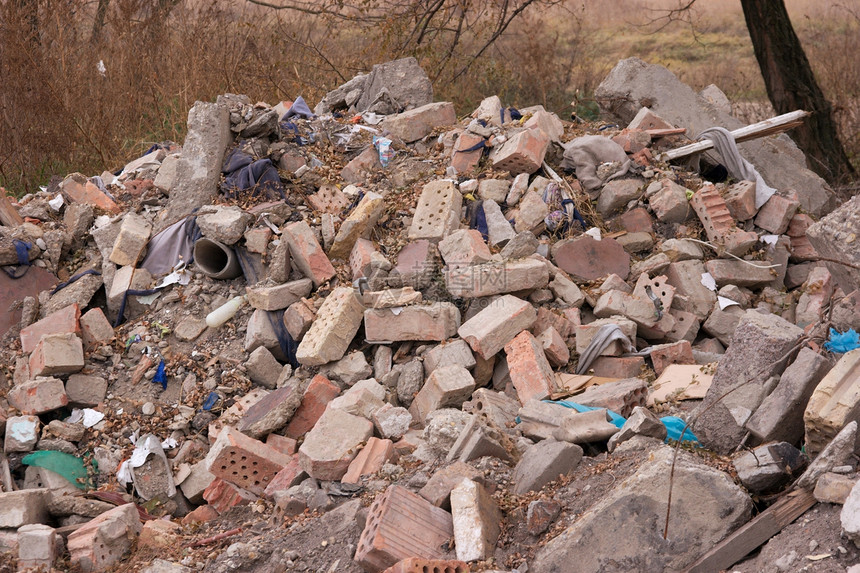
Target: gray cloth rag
x: 169, y: 246
x: 585, y: 154
x: 738, y: 167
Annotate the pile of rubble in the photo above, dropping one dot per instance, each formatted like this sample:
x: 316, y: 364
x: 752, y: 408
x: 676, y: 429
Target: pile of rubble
x: 379, y: 338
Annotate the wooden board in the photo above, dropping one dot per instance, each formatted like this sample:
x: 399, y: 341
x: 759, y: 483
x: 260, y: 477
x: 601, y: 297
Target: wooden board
x: 8, y: 214
x: 761, y: 528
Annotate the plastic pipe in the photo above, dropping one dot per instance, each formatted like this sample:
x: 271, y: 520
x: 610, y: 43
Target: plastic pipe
x: 224, y: 312
x: 216, y: 260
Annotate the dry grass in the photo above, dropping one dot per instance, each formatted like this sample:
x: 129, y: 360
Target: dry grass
x: 58, y: 114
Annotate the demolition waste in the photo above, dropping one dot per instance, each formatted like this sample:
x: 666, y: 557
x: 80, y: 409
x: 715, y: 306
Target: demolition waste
x: 388, y: 335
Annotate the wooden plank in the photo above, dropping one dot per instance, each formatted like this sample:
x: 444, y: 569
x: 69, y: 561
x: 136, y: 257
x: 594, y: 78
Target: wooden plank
x: 764, y: 128
x: 761, y: 528
x: 8, y: 214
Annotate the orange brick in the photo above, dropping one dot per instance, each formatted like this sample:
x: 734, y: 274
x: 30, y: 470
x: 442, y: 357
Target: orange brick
x: 60, y: 322
x: 401, y: 524
x: 466, y: 161
x: 221, y: 495
x: 243, y: 461
x: 103, y: 541
x: 88, y: 193
x: 201, y: 514
x: 95, y: 328
x: 530, y: 371
x: 369, y: 460
x: 319, y: 393
x: 419, y: 565
x: 291, y: 475
x: 719, y: 225
x: 523, y: 153
x: 283, y: 444
x: 677, y: 353
x: 617, y: 366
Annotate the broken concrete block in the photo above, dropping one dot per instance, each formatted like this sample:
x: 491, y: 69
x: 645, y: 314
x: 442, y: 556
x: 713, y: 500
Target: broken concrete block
x: 768, y: 467
x: 23, y: 507
x: 369, y: 460
x: 417, y: 123
x: 401, y: 524
x: 705, y: 502
x: 446, y: 386
x: 585, y: 427
x: 817, y: 290
x: 476, y: 520
x: 38, y: 396
x: 280, y: 296
x: 95, y: 328
x: 243, y: 461
x: 464, y: 247
x: 566, y: 290
x: 21, y: 433
x: 307, y: 254
x: 586, y: 259
x: 499, y: 229
x: 523, y: 153
x: 131, y: 241
x: 833, y: 403
x: 37, y: 546
x: 834, y: 236
x: 438, y: 211
x: 57, y: 354
x: 833, y: 488
x: 739, y: 273
x: 363, y: 399
x: 617, y: 193
x: 618, y: 303
x: 454, y: 352
x: 722, y: 323
x: 272, y: 412
x: 531, y: 214
x: 761, y: 347
x: 543, y: 463
x: 780, y: 416
x: 477, y: 440
x: 496, y: 278
x: 436, y: 321
x: 642, y: 422
x: 495, y: 190
x: 491, y: 329
x: 100, y: 543
x: 686, y: 277
x: 357, y: 225
x: 332, y: 444
x: 335, y: 326
x: 262, y: 368
x: 620, y: 397
x: 438, y: 488
x: 836, y: 453
x: 530, y: 371
x: 850, y: 516
x: 392, y: 421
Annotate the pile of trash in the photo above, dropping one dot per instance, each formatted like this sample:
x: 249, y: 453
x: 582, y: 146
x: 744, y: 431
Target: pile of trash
x: 379, y: 336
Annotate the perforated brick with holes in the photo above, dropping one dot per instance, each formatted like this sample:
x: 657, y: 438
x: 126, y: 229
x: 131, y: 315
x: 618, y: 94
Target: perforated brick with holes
x: 401, y: 524
x: 333, y: 329
x: 523, y: 153
x: 329, y: 199
x: 418, y: 565
x: 438, y: 211
x: 243, y: 461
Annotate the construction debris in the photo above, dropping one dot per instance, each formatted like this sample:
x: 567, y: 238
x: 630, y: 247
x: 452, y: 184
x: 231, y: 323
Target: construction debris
x: 376, y: 338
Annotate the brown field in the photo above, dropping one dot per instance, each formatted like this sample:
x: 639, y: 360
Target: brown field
x: 58, y: 114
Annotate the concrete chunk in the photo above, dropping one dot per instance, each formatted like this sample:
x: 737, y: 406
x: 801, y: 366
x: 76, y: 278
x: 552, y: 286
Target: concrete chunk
x: 477, y: 521
x: 329, y: 448
x: 834, y: 403
x: 497, y: 278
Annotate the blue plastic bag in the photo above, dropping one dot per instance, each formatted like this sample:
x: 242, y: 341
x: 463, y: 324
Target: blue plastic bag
x: 842, y: 342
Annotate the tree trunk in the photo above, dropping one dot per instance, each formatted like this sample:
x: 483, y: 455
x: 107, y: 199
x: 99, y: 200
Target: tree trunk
x: 791, y: 85
x: 99, y: 22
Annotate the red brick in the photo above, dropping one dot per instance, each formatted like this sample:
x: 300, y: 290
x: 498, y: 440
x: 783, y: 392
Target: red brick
x: 221, y: 495
x: 159, y: 533
x: 319, y: 393
x: 86, y: 192
x: 632, y: 140
x: 298, y: 319
x: 466, y: 161
x: 676, y: 353
x: 740, y: 200
x: 798, y: 225
x: 554, y: 347
x: 360, y: 258
x: 419, y: 565
x: 432, y: 322
x: 548, y: 319
x: 636, y: 220
x: 201, y: 514
x: 530, y: 372
x: 38, y: 396
x: 802, y: 250
x: 291, y: 475
x: 357, y: 170
x: 775, y: 215
x: 417, y: 123
x: 243, y: 461
x: 522, y: 153
x: 95, y: 328
x: 65, y: 320
x: 584, y: 258
x: 283, y: 444
x: 307, y: 253
x: 401, y: 524
x: 617, y: 366
x: 718, y: 222
x: 369, y: 460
